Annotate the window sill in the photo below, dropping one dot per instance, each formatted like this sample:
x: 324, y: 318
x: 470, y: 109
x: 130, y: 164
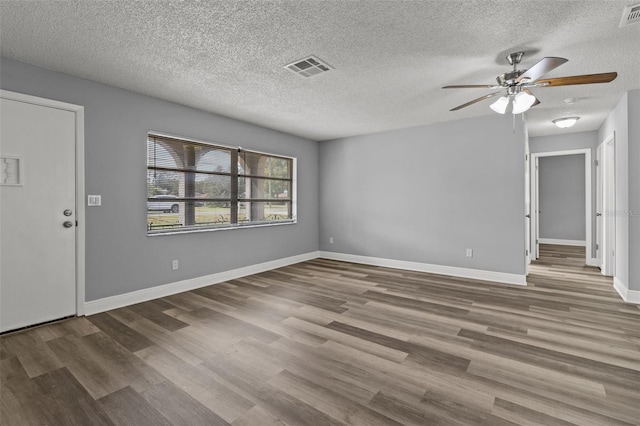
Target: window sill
x: 222, y: 228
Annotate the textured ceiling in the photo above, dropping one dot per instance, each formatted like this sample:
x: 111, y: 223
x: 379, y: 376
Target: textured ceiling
x: 390, y: 57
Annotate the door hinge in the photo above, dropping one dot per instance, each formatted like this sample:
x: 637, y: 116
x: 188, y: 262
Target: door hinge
x: 597, y: 246
x: 526, y: 252
x: 596, y: 162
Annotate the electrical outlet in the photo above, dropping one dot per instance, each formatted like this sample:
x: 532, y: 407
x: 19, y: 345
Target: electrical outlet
x: 174, y: 264
x: 469, y: 252
x: 330, y: 240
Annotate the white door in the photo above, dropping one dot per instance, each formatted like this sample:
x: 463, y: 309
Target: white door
x: 599, y: 205
x: 535, y: 248
x: 527, y: 209
x: 37, y: 215
x: 609, y: 208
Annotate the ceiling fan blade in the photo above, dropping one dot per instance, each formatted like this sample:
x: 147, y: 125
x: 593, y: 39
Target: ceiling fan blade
x: 542, y: 67
x: 605, y: 77
x: 471, y: 86
x: 536, y: 102
x: 482, y: 98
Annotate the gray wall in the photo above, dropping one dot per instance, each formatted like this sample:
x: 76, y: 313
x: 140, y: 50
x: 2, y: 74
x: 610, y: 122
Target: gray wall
x: 618, y: 123
x: 426, y: 194
x: 624, y: 122
x: 562, y: 197
x: 120, y: 258
x: 570, y: 141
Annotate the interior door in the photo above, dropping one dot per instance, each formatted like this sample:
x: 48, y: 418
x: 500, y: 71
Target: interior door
x: 37, y: 215
x: 527, y: 209
x: 609, y: 207
x: 534, y: 209
x: 599, y: 205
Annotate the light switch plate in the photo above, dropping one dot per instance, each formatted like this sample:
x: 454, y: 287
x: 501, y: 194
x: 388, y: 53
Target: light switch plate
x: 94, y: 200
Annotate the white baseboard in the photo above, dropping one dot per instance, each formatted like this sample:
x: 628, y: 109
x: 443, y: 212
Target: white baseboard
x: 475, y: 274
x: 121, y: 300
x: 629, y: 296
x: 577, y: 243
x: 592, y: 261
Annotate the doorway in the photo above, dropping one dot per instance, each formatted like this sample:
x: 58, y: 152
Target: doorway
x: 535, y: 211
x: 42, y: 210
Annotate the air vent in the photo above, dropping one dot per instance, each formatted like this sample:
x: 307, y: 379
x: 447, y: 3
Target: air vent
x: 631, y: 15
x: 309, y: 66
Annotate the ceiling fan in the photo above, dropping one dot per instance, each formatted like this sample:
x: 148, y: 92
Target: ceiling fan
x: 515, y: 85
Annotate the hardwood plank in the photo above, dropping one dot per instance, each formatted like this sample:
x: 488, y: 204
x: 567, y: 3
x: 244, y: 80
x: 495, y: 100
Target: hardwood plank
x: 195, y: 381
x: 327, y: 401
x: 120, y: 332
x: 127, y: 407
x: 258, y: 416
x: 179, y: 407
x: 34, y: 355
x: 153, y: 311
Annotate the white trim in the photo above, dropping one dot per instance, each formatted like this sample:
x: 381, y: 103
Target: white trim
x: 587, y: 191
x: 577, y: 243
x: 629, y: 296
x: 476, y: 274
x: 592, y: 261
x: 121, y: 300
x: 78, y: 110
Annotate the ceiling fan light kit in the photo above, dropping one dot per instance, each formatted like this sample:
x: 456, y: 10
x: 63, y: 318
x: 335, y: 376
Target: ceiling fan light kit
x: 565, y: 122
x: 500, y: 106
x: 522, y: 102
x: 517, y: 83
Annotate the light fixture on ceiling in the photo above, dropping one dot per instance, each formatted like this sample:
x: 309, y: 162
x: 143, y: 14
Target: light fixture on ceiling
x: 565, y: 122
x: 521, y: 101
x: 500, y: 106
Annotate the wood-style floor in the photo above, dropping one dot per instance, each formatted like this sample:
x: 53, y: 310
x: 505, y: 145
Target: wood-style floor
x: 331, y: 343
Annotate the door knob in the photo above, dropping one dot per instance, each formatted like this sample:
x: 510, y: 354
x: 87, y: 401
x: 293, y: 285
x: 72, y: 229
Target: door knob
x: 67, y: 212
x: 598, y: 214
x: 528, y: 216
x: 67, y: 224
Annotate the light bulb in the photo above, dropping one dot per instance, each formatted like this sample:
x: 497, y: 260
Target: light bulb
x: 565, y: 122
x: 522, y: 102
x: 500, y: 106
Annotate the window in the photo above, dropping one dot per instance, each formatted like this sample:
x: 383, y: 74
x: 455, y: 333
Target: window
x: 199, y: 186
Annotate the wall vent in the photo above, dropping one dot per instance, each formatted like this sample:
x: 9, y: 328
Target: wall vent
x: 309, y: 66
x: 631, y: 15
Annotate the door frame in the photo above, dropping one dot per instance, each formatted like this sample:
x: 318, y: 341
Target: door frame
x: 533, y: 208
x: 589, y: 259
x: 78, y: 111
x: 608, y: 198
x: 599, y: 204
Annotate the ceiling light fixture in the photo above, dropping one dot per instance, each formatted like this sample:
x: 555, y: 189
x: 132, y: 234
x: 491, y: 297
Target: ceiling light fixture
x: 565, y: 122
x: 522, y: 102
x: 500, y: 106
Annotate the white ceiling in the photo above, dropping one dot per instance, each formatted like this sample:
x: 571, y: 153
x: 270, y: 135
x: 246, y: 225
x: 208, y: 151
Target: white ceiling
x: 391, y: 58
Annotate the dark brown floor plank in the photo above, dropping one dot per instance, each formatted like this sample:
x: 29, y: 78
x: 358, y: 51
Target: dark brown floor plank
x: 120, y: 332
x: 127, y: 407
